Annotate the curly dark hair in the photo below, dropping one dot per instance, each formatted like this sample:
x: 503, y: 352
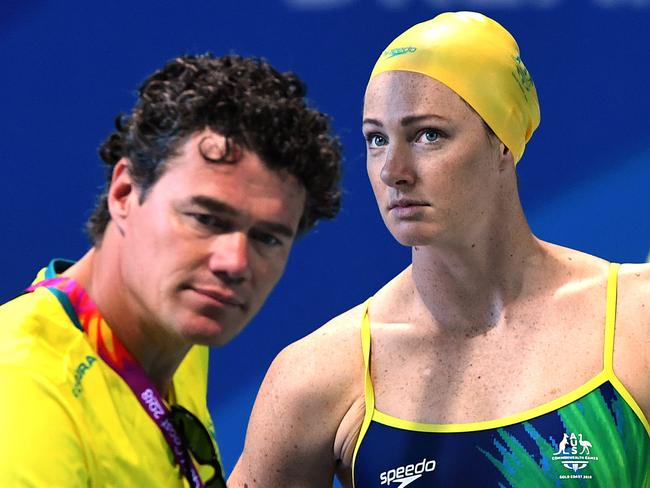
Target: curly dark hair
x: 244, y: 99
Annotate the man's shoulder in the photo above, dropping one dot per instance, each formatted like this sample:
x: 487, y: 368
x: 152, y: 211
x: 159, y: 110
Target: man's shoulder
x: 36, y: 334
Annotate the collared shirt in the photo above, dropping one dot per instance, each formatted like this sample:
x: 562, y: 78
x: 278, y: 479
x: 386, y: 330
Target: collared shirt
x: 67, y: 419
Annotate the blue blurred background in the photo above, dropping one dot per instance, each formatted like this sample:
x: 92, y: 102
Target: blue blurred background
x: 69, y: 67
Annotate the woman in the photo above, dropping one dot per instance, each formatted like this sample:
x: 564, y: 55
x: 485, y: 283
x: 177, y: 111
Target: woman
x: 494, y: 359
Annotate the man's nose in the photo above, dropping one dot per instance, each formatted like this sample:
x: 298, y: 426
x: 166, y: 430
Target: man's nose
x: 230, y: 257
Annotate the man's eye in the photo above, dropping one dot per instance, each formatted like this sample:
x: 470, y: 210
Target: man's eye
x: 210, y: 221
x: 376, y: 140
x: 266, y: 239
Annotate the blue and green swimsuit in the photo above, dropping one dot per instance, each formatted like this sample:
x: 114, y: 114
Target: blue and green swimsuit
x: 594, y: 436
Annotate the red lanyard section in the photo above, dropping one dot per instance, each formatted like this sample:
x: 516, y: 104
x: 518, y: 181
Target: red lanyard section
x: 113, y: 352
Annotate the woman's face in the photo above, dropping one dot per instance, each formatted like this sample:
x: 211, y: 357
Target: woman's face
x: 434, y: 168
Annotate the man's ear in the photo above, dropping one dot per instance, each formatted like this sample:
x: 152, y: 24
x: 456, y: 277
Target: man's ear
x: 122, y: 194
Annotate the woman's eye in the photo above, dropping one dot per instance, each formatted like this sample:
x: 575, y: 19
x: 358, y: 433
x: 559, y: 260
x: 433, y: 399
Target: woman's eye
x: 429, y: 136
x: 376, y: 140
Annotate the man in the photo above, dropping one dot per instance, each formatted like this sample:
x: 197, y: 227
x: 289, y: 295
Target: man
x: 494, y: 358
x: 216, y: 171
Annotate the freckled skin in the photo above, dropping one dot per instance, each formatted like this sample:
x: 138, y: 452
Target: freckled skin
x: 409, y: 166
x: 472, y: 330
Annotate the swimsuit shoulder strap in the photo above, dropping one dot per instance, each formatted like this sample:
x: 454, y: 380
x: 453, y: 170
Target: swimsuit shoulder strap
x: 369, y: 393
x: 610, y: 317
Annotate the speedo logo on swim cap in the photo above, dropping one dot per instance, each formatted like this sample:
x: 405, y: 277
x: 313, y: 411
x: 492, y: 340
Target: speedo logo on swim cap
x: 405, y: 475
x: 398, y: 51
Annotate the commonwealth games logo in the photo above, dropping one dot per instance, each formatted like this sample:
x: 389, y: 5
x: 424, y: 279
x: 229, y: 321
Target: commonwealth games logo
x: 574, y: 452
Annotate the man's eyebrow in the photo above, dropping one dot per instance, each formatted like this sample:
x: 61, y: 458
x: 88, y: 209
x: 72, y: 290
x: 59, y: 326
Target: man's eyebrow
x: 217, y: 206
x: 277, y: 228
x: 214, y: 205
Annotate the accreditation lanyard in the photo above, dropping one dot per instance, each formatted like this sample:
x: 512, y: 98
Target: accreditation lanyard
x: 115, y: 354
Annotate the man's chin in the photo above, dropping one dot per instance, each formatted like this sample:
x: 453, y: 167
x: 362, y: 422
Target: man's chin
x: 212, y: 334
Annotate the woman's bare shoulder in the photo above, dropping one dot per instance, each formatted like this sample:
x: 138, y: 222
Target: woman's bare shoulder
x: 633, y: 303
x: 306, y: 393
x: 632, y: 337
x: 329, y: 355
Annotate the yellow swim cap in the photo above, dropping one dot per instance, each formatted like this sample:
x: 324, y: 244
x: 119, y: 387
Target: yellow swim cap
x: 479, y: 60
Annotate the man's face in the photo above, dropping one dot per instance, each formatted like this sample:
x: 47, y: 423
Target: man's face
x: 204, y: 249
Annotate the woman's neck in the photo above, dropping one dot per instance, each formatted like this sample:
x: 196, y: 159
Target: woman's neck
x: 467, y: 286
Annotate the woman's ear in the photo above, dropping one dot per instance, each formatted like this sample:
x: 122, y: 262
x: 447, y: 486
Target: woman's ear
x: 506, y: 157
